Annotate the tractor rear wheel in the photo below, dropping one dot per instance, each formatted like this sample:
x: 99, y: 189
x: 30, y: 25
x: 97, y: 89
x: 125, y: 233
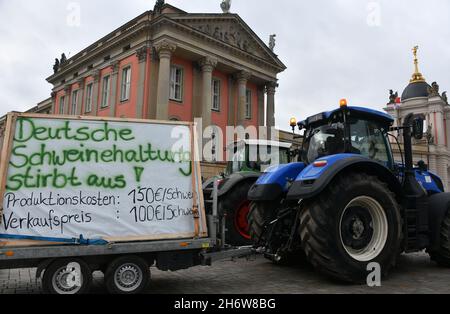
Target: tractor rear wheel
x: 259, y: 216
x: 237, y: 207
x: 354, y: 222
x: 442, y: 256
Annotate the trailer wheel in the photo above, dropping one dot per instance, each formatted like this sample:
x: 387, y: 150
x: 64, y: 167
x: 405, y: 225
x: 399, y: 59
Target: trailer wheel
x: 67, y: 276
x: 442, y: 256
x: 237, y: 207
x: 354, y: 222
x: 127, y: 275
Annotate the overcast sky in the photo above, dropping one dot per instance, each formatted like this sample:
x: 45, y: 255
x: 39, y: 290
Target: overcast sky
x: 357, y: 49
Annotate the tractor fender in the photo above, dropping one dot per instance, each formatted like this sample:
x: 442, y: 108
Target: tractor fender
x: 313, y: 180
x: 275, y: 181
x: 438, y: 206
x: 210, y: 182
x: 236, y: 178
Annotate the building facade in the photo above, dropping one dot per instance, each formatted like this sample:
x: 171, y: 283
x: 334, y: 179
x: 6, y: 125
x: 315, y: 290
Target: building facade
x: 168, y: 64
x: 419, y: 97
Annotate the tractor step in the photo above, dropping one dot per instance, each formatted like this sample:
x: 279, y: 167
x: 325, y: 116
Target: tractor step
x: 416, y: 224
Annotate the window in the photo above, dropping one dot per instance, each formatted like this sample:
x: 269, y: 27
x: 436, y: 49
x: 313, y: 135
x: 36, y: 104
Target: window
x: 105, y: 91
x: 126, y: 84
x: 88, y: 107
x: 324, y: 140
x: 176, y: 83
x: 248, y: 104
x: 73, y: 107
x: 216, y: 95
x: 368, y: 139
x: 62, y: 104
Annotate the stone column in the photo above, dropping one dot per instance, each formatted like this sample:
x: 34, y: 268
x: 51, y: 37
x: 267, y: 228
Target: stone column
x: 54, y: 100
x: 80, y: 99
x: 165, y: 49
x: 262, y: 132
x: 207, y: 65
x: 440, y: 128
x: 142, y: 54
x: 442, y: 167
x: 270, y: 122
x: 242, y: 79
x: 432, y: 157
x: 67, y: 99
x: 113, y: 95
x: 95, y: 88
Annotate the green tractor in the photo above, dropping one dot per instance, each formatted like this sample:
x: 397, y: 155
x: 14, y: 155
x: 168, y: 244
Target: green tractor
x: 248, y: 160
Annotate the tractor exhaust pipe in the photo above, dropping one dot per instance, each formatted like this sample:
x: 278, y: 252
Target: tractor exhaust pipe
x: 413, y: 126
x: 407, y: 143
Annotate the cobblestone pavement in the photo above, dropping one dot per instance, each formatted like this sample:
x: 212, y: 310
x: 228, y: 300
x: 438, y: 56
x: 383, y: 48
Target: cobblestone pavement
x: 414, y: 274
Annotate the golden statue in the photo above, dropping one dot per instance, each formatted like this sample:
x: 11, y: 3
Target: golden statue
x: 417, y: 76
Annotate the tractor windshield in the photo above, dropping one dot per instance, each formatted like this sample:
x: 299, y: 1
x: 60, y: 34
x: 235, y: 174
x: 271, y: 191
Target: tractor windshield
x: 356, y: 136
x: 323, y: 141
x: 256, y: 158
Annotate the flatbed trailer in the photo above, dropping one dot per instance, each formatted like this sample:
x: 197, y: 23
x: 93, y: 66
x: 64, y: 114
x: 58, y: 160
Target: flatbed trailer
x: 166, y: 255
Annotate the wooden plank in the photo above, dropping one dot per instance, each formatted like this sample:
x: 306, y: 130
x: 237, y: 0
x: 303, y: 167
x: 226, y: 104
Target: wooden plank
x: 198, y: 170
x: 5, y: 156
x: 183, y: 236
x: 195, y: 204
x: 25, y: 243
x: 101, y: 119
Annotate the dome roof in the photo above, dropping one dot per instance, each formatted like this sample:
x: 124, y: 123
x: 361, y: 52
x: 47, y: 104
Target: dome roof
x: 416, y: 89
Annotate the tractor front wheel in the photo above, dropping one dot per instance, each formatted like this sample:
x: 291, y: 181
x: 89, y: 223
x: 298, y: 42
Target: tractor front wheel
x: 354, y: 222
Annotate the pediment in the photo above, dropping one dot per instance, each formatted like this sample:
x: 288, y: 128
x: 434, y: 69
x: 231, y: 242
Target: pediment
x: 233, y: 31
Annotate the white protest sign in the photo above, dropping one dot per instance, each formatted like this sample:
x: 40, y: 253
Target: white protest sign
x: 94, y: 179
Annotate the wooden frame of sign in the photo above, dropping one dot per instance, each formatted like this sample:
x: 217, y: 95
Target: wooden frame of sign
x: 200, y: 224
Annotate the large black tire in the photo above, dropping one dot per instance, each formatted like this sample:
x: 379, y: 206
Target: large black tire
x: 236, y: 206
x: 331, y: 233
x: 442, y: 256
x: 127, y: 275
x: 55, y: 277
x: 259, y: 216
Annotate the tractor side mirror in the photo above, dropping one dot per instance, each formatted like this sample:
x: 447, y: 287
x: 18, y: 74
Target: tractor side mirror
x: 417, y: 128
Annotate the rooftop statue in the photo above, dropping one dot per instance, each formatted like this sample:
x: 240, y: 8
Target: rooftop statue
x: 433, y: 91
x: 226, y: 6
x: 444, y: 97
x: 158, y: 6
x: 392, y: 97
x: 272, y: 42
x: 56, y: 66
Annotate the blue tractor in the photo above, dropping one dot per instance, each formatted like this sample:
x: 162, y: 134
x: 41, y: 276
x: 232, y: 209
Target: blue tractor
x: 346, y: 203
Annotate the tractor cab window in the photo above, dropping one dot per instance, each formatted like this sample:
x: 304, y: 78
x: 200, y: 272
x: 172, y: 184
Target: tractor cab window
x: 238, y: 161
x: 270, y: 156
x: 368, y: 139
x: 323, y: 141
x: 256, y: 158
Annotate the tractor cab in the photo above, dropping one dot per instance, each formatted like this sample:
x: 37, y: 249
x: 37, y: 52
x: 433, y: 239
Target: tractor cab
x: 256, y: 155
x: 348, y: 130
